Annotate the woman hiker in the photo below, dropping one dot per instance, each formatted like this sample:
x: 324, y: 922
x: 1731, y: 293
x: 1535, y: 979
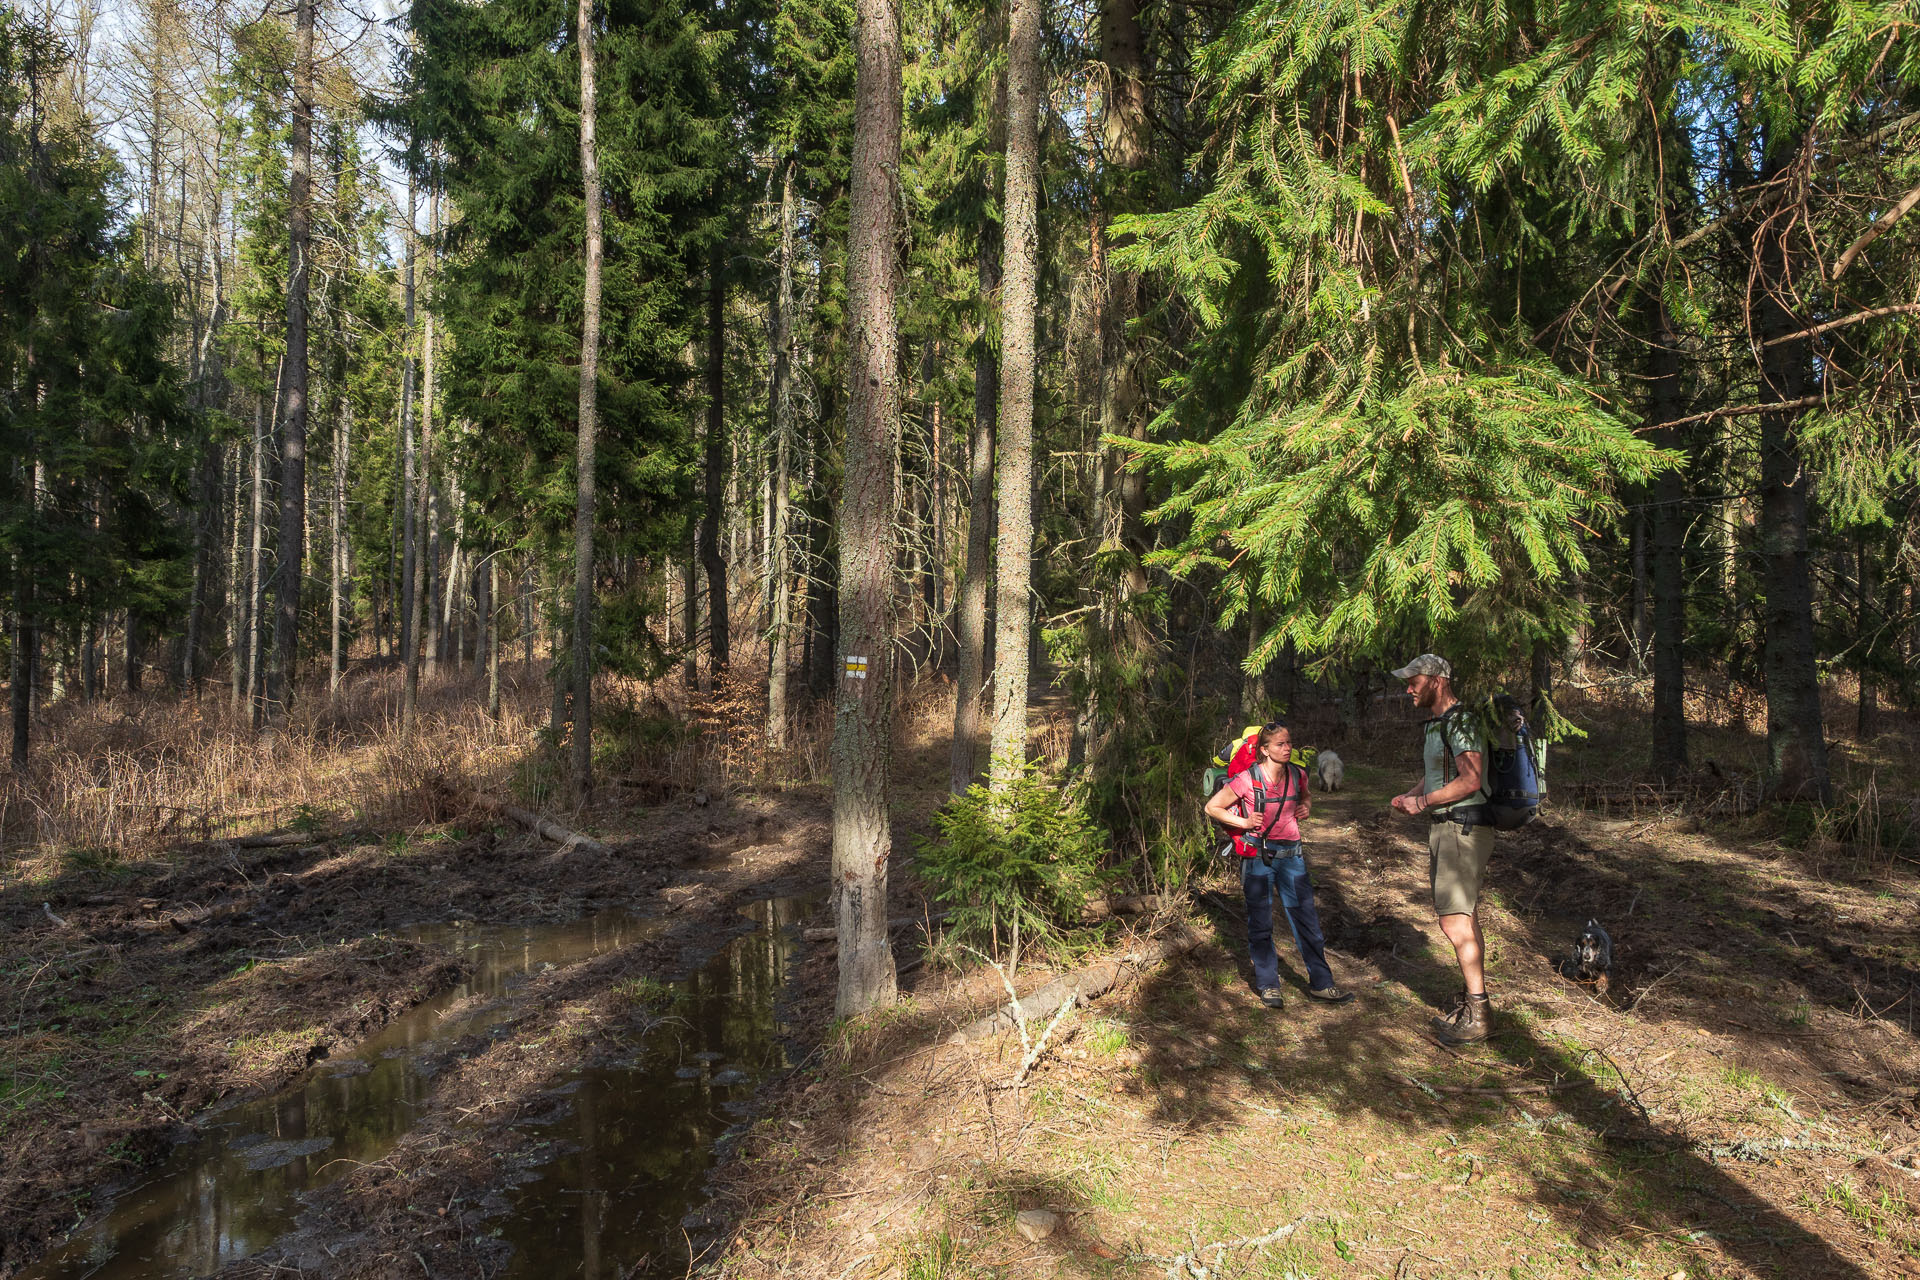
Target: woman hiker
x: 1266, y: 804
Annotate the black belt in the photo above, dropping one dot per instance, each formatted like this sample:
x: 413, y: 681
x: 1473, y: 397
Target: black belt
x: 1269, y: 848
x: 1469, y: 816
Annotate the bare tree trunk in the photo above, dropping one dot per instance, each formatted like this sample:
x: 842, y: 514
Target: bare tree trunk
x: 1867, y: 638
x: 427, y: 556
x: 409, y: 486
x: 1796, y: 742
x: 716, y: 474
x: 862, y: 841
x: 975, y: 579
x: 1666, y: 402
x: 583, y: 569
x: 689, y: 615
x: 291, y: 550
x: 490, y: 630
x: 337, y: 577
x: 1018, y: 296
x: 236, y: 585
x: 780, y: 566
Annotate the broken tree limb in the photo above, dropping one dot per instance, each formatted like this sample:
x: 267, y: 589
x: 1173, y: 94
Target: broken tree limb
x: 278, y: 840
x: 1495, y: 1091
x: 829, y: 933
x: 48, y: 908
x: 547, y: 829
x: 1087, y: 984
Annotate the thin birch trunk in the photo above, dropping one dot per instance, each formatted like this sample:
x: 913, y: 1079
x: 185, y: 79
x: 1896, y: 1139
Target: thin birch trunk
x: 780, y: 568
x: 409, y: 486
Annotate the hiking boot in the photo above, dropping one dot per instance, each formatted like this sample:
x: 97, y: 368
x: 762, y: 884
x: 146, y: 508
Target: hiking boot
x: 1330, y: 995
x: 1469, y: 1024
x: 1270, y: 996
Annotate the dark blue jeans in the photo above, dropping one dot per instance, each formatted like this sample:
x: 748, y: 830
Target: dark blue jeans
x: 1288, y: 877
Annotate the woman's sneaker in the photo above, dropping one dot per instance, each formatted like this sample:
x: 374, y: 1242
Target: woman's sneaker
x: 1330, y: 995
x: 1270, y: 997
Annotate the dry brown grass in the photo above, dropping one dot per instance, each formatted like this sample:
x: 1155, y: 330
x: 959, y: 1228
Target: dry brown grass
x: 133, y: 774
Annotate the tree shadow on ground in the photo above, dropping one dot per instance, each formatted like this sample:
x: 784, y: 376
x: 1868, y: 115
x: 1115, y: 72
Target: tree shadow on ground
x: 1369, y: 1057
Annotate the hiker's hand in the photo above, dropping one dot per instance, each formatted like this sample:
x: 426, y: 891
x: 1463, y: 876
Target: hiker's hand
x: 1240, y: 822
x: 1409, y: 804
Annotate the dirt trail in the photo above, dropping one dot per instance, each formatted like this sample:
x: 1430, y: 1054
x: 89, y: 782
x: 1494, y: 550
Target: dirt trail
x: 1735, y: 1109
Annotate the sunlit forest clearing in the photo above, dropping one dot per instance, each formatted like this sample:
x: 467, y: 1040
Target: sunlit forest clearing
x: 735, y: 639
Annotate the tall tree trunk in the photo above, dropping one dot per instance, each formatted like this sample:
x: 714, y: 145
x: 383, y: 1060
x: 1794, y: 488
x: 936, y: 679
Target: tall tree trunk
x: 861, y: 837
x: 1638, y: 622
x: 1018, y: 296
x: 975, y: 581
x: 337, y: 577
x: 1796, y: 744
x: 409, y: 485
x: 716, y: 473
x: 690, y: 615
x: 488, y: 607
x: 291, y: 550
x: 780, y: 567
x: 583, y: 569
x: 426, y: 543
x: 1867, y: 638
x: 1667, y: 401
x: 236, y: 586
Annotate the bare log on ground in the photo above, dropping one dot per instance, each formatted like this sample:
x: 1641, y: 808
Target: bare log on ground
x: 1087, y: 984
x: 830, y: 933
x: 279, y: 840
x: 547, y: 829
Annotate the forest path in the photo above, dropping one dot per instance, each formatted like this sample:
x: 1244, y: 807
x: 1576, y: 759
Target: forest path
x: 1730, y: 1111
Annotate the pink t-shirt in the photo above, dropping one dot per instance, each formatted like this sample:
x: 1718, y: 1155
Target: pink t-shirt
x: 1280, y: 820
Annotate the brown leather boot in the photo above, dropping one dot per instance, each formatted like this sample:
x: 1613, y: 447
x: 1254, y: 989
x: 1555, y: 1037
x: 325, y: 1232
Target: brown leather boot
x: 1469, y: 1024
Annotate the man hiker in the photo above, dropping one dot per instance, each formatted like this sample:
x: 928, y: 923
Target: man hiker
x: 1266, y: 803
x: 1451, y: 796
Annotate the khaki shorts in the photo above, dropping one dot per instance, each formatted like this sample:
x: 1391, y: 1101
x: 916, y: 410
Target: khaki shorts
x: 1457, y: 861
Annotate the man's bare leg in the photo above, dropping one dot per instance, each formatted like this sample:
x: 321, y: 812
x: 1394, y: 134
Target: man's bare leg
x: 1463, y: 931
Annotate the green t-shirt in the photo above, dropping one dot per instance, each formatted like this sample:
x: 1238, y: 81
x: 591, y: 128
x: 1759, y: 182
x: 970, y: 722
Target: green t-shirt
x: 1462, y: 733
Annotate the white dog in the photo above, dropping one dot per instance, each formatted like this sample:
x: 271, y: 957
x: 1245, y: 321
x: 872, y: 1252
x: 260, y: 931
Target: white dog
x: 1332, y: 773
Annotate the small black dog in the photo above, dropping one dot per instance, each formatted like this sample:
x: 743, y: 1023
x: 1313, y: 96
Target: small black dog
x: 1593, y: 956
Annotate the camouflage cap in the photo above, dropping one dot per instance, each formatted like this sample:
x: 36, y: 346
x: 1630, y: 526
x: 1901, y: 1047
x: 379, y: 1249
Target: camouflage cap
x: 1427, y: 664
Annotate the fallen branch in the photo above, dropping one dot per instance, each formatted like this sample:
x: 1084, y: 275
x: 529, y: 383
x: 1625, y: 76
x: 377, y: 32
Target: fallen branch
x: 829, y: 933
x: 1088, y: 984
x: 48, y: 908
x: 547, y: 829
x: 1039, y: 1051
x: 1483, y: 1092
x: 1193, y: 1264
x: 277, y: 841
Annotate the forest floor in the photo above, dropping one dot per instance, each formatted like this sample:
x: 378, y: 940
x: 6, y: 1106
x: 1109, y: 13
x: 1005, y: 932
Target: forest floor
x: 1745, y: 1101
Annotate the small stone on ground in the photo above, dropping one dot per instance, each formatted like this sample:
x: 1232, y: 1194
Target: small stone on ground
x: 1035, y: 1224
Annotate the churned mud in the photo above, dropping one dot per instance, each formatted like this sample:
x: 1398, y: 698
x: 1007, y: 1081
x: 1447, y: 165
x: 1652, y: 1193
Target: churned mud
x: 140, y: 995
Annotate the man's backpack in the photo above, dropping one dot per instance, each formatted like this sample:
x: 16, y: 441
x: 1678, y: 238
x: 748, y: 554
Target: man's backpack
x: 1514, y: 774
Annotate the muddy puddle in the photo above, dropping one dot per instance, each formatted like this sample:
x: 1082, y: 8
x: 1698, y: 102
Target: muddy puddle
x: 622, y: 1148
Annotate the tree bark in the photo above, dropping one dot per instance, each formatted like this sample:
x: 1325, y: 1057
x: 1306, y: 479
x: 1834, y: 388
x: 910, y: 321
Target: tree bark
x: 1866, y: 637
x: 1666, y: 402
x: 337, y: 577
x: 409, y: 482
x: 861, y: 837
x: 583, y: 569
x: 290, y: 552
x: 976, y: 579
x: 716, y: 474
x: 780, y: 566
x: 1796, y: 743
x: 1018, y: 297
x: 426, y: 541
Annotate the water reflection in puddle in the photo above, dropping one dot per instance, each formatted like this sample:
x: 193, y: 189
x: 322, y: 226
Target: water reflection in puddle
x: 626, y: 1147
